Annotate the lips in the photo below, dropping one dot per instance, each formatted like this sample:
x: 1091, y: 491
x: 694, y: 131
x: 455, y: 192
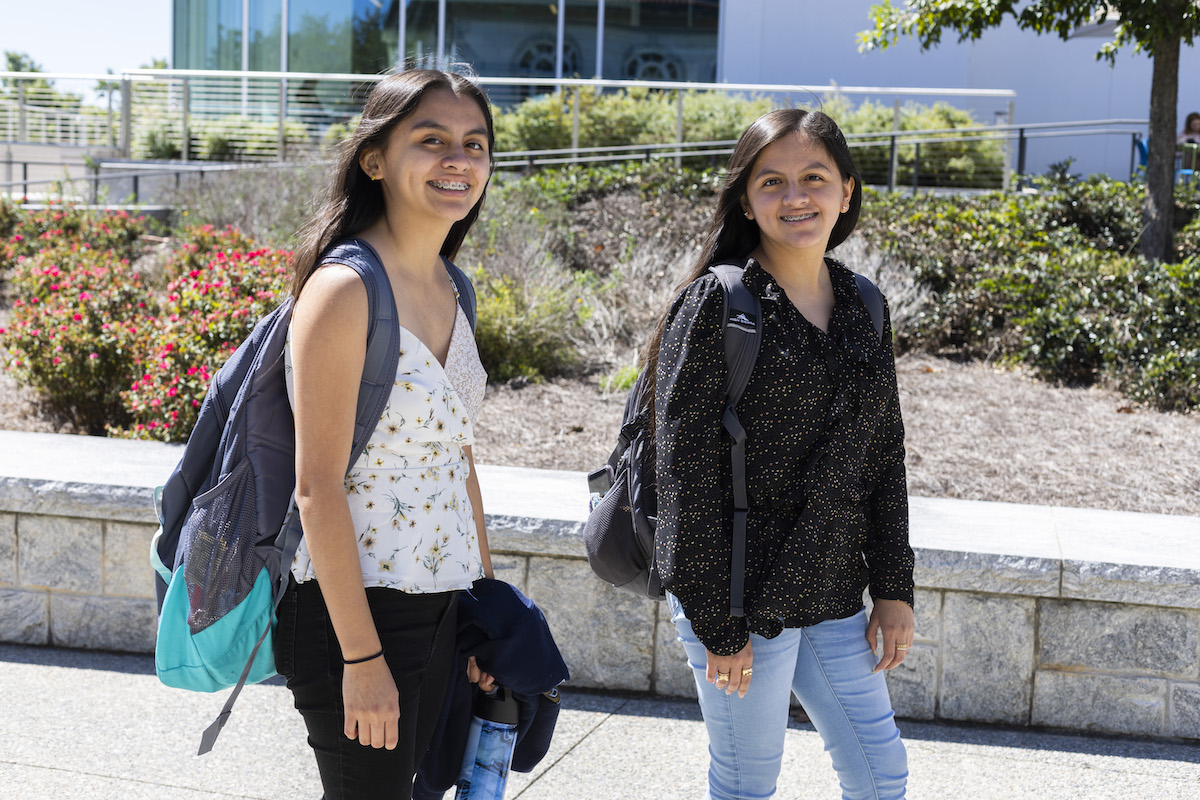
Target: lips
x: 451, y: 186
x: 798, y: 217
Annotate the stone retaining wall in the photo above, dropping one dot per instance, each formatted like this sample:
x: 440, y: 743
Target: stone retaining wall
x: 1063, y: 618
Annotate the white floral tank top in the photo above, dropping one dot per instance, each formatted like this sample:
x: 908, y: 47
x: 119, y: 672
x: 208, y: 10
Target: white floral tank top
x: 407, y: 491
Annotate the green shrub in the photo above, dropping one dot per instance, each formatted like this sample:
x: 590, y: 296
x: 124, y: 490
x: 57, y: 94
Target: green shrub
x: 523, y: 329
x: 622, y: 380
x: 76, y: 336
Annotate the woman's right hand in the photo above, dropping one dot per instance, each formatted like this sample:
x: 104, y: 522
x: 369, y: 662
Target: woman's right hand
x: 372, y: 704
x: 731, y: 673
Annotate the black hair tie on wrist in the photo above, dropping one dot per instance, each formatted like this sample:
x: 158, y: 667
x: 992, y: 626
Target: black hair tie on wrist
x: 362, y: 660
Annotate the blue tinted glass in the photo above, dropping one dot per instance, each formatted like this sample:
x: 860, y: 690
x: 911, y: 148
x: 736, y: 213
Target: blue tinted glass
x: 667, y: 41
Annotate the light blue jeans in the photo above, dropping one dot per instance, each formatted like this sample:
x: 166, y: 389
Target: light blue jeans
x: 828, y: 666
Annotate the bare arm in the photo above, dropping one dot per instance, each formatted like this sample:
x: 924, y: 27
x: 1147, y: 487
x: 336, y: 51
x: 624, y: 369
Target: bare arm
x: 329, y: 334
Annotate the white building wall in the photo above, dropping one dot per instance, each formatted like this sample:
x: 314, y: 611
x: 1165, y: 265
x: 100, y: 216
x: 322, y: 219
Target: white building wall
x: 814, y: 42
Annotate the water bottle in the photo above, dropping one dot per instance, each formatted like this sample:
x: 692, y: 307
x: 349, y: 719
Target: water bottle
x: 490, y: 744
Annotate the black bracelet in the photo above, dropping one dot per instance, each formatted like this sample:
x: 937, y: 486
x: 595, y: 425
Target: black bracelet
x: 363, y: 660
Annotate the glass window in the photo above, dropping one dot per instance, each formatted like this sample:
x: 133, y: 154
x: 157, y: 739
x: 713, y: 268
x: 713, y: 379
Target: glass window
x: 208, y: 34
x: 672, y: 40
x: 320, y: 35
x: 420, y: 33
x: 506, y: 39
x: 265, y: 26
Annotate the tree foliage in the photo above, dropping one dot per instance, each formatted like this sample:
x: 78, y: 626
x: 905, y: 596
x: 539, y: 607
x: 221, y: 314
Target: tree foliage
x: 1156, y: 27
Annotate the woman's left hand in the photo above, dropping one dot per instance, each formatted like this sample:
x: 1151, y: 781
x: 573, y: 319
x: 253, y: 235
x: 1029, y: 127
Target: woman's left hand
x: 894, y: 619
x: 476, y: 675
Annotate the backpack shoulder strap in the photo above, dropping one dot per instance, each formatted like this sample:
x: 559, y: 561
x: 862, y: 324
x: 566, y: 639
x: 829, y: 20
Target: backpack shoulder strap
x: 873, y: 299
x: 742, y: 335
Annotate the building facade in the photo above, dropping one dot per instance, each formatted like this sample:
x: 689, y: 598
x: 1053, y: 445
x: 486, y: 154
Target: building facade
x: 809, y: 42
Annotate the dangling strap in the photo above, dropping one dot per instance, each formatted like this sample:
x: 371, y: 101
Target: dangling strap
x: 743, y: 335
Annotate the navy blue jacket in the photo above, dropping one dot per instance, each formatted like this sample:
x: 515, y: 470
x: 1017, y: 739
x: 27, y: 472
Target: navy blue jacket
x: 509, y: 637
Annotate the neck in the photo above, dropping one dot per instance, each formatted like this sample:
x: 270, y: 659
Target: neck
x: 412, y: 250
x: 802, y: 270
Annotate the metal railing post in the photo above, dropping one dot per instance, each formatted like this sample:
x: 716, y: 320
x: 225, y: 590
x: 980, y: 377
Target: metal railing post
x: 25, y: 180
x: 916, y: 167
x: 894, y: 162
x: 575, y: 124
x: 135, y: 188
x: 1020, y: 156
x: 679, y: 125
x: 22, y: 133
x: 185, y: 145
x: 126, y: 113
x: 892, y: 159
x: 281, y: 146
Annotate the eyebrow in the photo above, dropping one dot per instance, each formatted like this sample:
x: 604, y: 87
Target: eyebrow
x: 428, y: 123
x: 814, y: 165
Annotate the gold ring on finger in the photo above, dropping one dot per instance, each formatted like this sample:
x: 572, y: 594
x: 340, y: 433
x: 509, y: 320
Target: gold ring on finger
x: 722, y: 676
x: 747, y: 672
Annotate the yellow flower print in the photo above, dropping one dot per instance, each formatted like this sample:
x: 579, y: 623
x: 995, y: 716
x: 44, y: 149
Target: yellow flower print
x: 441, y: 426
x: 428, y: 506
x: 393, y: 429
x: 387, y: 566
x: 370, y: 504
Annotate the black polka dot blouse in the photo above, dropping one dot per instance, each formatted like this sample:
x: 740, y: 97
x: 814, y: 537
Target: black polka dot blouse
x: 824, y: 460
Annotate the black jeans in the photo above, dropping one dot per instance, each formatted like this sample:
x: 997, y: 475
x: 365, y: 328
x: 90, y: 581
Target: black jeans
x: 418, y: 634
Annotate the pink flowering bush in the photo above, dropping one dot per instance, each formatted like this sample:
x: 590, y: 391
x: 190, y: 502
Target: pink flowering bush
x: 76, y: 330
x: 29, y: 232
x: 214, y: 298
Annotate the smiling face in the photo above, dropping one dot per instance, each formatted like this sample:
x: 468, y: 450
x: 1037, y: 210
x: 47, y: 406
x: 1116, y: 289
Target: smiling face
x: 435, y: 164
x: 795, y: 194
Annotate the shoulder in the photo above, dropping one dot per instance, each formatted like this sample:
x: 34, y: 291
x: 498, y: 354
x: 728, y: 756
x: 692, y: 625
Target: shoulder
x: 334, y: 293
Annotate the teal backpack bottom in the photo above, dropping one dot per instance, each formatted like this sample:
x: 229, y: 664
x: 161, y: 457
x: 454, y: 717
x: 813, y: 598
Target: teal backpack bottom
x: 213, y: 658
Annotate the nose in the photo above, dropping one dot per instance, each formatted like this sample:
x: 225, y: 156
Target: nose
x: 796, y: 194
x: 455, y: 157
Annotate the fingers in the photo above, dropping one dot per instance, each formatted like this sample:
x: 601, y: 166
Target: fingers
x: 372, y: 705
x: 891, y: 620
x: 476, y: 675
x: 731, y: 673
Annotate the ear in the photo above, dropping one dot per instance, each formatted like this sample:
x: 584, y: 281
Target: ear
x: 368, y: 161
x: 847, y: 191
x: 745, y: 203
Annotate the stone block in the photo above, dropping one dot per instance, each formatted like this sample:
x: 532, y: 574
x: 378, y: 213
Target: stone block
x: 927, y: 609
x: 60, y: 553
x: 8, y: 549
x: 1140, y: 584
x: 987, y: 572
x: 672, y: 675
x: 1112, y: 638
x: 1100, y: 703
x: 987, y: 658
x: 606, y: 636
x: 511, y: 569
x: 24, y: 616
x: 1184, y: 718
x: 913, y: 684
x: 103, y: 623
x: 127, y: 569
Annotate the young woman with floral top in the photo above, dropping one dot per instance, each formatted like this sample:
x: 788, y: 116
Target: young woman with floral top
x: 367, y: 629
x: 828, y: 514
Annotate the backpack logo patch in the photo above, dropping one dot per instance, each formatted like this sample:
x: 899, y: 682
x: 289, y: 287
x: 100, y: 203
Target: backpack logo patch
x: 743, y: 321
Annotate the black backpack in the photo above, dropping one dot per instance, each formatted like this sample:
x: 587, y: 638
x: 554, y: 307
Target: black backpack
x: 619, y: 532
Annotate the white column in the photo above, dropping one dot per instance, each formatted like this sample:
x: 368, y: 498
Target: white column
x: 600, y: 39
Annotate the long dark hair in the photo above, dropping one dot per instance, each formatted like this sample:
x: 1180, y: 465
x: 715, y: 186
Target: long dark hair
x: 731, y: 236
x: 353, y: 201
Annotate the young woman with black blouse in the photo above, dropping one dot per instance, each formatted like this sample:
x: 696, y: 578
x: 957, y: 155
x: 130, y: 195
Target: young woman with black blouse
x: 828, y: 512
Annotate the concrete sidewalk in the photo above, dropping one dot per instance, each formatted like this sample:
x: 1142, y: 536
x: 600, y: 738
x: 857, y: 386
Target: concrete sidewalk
x: 79, y: 724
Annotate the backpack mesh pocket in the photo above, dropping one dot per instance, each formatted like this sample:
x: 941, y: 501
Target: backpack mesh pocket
x: 216, y: 547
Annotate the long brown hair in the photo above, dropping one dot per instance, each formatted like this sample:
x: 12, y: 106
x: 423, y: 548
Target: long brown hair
x: 353, y: 201
x: 731, y: 236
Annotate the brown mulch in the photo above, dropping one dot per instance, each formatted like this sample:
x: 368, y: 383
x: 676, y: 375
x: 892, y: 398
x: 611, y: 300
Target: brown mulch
x: 974, y: 432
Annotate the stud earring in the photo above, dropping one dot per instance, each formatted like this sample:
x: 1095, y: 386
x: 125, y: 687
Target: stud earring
x: 747, y: 215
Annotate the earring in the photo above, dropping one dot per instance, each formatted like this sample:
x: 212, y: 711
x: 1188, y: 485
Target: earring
x: 747, y: 215
x: 845, y: 208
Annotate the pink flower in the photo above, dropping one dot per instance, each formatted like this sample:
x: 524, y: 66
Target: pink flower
x: 77, y: 317
x: 56, y: 360
x: 93, y: 356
